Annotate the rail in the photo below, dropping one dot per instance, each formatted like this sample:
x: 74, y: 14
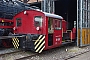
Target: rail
x: 10, y: 53
x: 28, y: 56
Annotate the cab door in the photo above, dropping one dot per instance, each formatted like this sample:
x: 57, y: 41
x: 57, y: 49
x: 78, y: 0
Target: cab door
x: 50, y: 31
x: 57, y: 36
x: 54, y: 32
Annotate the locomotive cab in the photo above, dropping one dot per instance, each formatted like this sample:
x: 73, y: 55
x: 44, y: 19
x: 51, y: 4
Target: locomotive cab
x: 54, y: 34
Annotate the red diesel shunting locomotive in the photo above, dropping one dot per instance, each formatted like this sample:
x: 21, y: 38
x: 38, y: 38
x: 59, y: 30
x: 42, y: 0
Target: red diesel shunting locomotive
x: 35, y: 30
x: 41, y: 31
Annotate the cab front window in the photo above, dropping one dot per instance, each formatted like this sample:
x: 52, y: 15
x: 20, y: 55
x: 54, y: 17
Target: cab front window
x: 38, y: 21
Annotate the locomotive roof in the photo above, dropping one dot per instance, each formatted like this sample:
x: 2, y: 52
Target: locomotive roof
x: 53, y: 15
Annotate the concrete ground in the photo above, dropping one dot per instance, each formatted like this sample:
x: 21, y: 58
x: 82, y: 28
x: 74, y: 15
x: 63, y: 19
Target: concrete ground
x: 85, y: 56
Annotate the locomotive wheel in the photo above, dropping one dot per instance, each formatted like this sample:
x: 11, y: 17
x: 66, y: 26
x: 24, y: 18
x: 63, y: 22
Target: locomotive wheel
x: 7, y: 43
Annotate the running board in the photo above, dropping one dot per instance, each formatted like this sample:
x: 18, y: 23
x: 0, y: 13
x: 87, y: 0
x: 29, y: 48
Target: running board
x: 7, y: 37
x: 67, y: 42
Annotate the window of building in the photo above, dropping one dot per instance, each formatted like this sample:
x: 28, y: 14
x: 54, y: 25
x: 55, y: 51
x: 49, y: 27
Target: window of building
x: 38, y: 21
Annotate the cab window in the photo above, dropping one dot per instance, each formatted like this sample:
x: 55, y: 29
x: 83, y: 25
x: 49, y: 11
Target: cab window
x: 38, y: 21
x: 57, y: 24
x: 50, y: 25
x: 18, y: 22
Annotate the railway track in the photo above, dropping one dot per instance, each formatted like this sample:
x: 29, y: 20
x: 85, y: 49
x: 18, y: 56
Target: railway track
x: 47, y: 53
x: 44, y: 54
x: 27, y: 57
x: 20, y: 58
x: 65, y: 58
x: 76, y: 55
x: 17, y: 55
x: 10, y: 53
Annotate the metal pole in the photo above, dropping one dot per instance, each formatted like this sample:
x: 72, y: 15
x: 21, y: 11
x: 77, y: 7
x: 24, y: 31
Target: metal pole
x: 44, y: 5
x: 49, y: 7
x: 77, y: 24
x: 80, y: 23
x: 53, y: 6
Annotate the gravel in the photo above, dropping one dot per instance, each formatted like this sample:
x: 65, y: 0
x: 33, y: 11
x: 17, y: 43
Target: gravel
x: 60, y: 53
x: 3, y: 51
x: 15, y: 55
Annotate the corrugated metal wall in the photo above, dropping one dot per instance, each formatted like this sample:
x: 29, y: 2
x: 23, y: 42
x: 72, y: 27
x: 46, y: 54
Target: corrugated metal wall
x: 84, y: 23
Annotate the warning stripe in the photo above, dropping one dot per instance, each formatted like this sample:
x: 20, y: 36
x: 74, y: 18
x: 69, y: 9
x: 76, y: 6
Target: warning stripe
x: 40, y: 46
x: 39, y: 42
x: 41, y: 49
x: 15, y: 42
x: 37, y: 39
